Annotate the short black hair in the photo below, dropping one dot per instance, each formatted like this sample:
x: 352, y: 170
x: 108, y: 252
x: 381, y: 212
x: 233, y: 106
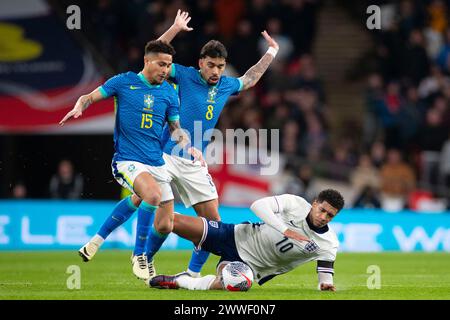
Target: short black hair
x: 158, y: 46
x: 333, y: 197
x: 214, y: 49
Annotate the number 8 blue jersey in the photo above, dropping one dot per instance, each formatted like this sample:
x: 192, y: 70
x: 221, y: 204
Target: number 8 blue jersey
x: 199, y: 101
x: 142, y: 110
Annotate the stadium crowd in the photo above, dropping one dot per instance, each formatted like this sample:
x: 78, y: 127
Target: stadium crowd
x: 404, y: 152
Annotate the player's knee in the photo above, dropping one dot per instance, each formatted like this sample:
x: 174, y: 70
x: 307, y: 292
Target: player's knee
x: 214, y: 216
x: 210, y: 215
x: 152, y: 196
x: 164, y: 227
x: 136, y: 200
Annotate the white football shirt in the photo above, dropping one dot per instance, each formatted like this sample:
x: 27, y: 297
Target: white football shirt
x: 268, y: 252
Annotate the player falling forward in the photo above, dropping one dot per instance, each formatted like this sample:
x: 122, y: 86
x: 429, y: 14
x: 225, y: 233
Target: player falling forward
x: 203, y: 94
x: 145, y: 102
x: 294, y: 232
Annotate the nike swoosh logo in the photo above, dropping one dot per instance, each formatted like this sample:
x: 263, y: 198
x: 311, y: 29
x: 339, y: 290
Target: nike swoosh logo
x: 134, y: 88
x: 293, y: 223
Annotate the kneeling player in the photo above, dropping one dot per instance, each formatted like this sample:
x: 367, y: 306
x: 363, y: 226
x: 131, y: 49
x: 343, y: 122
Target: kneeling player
x: 294, y: 232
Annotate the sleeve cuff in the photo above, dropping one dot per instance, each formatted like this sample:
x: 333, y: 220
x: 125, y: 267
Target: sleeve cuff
x: 241, y: 84
x: 174, y: 118
x: 172, y: 71
x: 103, y: 92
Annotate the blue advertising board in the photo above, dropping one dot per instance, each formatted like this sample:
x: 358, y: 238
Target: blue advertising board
x: 48, y: 225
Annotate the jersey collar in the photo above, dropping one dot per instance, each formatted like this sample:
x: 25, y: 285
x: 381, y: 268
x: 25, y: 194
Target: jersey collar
x: 144, y: 80
x: 315, y: 229
x: 203, y: 81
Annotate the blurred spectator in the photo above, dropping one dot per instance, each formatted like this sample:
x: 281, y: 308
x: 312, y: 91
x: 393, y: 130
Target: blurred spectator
x: 244, y: 41
x: 415, y: 59
x: 378, y: 154
x: 389, y: 112
x: 286, y: 46
x: 290, y: 136
x: 444, y: 165
x: 19, y: 190
x: 410, y: 117
x: 341, y: 163
x: 373, y: 97
x: 368, y: 198
x: 444, y: 53
x: 65, y: 184
x: 314, y: 141
x: 134, y: 60
x: 301, y: 15
x: 365, y: 175
x: 435, y: 82
x: 433, y: 132
x: 397, y: 180
x: 305, y: 76
x: 409, y: 18
x: 287, y: 182
x: 437, y: 10
x: 309, y: 187
x: 228, y: 13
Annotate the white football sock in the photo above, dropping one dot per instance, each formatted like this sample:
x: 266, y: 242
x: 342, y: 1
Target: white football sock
x: 193, y: 274
x: 203, y: 283
x: 98, y: 240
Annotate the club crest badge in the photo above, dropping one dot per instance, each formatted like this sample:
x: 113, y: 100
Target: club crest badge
x: 212, y: 92
x: 149, y: 100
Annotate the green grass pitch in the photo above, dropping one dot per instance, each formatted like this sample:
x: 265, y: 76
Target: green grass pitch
x: 43, y: 275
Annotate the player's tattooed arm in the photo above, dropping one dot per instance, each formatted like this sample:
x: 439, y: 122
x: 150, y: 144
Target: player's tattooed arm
x: 178, y: 134
x: 180, y: 24
x: 82, y: 104
x: 252, y: 76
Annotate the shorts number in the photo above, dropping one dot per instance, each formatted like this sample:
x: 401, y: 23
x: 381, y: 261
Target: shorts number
x: 147, y: 121
x: 209, y: 113
x: 284, y: 247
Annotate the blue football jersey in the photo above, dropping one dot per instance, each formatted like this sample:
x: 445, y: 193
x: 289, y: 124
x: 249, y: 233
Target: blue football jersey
x: 142, y: 110
x: 200, y: 102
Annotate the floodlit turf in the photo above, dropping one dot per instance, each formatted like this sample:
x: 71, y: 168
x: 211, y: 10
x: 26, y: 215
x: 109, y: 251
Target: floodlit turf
x: 42, y: 275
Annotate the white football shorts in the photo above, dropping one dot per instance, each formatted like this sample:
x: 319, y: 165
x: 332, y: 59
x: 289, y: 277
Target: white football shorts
x: 125, y: 172
x: 193, y: 181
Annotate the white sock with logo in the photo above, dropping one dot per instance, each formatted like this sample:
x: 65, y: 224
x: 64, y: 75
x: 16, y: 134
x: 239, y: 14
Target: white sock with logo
x: 203, y: 283
x: 98, y: 240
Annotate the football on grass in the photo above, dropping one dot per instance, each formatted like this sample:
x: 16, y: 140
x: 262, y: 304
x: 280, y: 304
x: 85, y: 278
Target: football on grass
x: 237, y: 276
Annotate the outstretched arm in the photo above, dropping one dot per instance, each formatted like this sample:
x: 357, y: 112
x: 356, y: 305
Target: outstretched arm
x: 82, y: 104
x: 252, y: 76
x: 180, y: 24
x: 325, y: 272
x: 266, y: 209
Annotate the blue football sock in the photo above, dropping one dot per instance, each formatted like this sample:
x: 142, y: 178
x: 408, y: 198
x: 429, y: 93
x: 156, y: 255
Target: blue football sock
x: 145, y: 217
x: 154, y: 242
x: 121, y: 213
x: 198, y: 259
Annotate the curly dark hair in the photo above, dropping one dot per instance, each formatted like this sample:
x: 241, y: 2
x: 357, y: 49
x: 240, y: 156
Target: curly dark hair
x: 333, y: 197
x: 214, y: 49
x: 158, y: 46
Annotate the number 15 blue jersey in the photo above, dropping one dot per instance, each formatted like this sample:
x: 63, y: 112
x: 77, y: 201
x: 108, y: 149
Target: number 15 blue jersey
x: 142, y: 110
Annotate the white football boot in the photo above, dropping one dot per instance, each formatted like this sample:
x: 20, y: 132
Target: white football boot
x: 151, y: 269
x: 88, y: 251
x: 140, y: 266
